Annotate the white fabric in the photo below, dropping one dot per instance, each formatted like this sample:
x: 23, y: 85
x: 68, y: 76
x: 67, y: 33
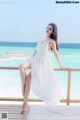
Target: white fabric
x: 44, y: 82
x: 61, y: 112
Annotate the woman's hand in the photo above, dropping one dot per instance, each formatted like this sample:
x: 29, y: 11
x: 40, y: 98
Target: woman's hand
x: 63, y: 67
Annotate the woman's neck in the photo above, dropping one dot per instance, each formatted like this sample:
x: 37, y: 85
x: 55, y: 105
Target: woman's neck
x: 47, y: 36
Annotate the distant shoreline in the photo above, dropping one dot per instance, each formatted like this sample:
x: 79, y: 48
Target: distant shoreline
x: 33, y: 44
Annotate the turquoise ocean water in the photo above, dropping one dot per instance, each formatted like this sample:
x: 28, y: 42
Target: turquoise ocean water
x: 10, y: 81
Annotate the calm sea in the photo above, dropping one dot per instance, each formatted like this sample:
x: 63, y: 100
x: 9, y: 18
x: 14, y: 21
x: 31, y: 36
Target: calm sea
x: 15, y: 53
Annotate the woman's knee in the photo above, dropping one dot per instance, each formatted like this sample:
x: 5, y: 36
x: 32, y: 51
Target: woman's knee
x: 24, y: 66
x: 21, y: 66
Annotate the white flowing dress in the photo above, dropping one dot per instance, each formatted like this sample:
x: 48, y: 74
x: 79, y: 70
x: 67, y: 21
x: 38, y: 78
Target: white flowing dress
x: 44, y: 81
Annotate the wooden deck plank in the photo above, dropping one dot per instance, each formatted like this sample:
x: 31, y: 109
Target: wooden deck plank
x: 13, y: 111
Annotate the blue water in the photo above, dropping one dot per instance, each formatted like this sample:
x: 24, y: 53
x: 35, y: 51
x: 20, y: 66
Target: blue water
x: 10, y: 81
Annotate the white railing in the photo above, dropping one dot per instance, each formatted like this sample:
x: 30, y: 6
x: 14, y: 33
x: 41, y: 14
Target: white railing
x: 68, y: 100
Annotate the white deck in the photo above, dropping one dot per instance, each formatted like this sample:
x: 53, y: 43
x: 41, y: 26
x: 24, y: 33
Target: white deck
x: 37, y: 111
x: 62, y: 112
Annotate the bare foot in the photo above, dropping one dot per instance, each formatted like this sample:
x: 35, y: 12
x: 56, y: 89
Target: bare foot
x: 24, y: 107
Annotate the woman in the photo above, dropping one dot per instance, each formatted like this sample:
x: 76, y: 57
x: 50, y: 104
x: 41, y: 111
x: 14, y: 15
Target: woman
x: 42, y: 78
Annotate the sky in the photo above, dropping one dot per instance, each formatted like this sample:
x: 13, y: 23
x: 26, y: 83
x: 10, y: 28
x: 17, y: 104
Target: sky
x: 26, y: 20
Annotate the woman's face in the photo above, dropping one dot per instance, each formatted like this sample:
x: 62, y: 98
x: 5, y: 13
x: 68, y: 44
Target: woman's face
x: 49, y: 30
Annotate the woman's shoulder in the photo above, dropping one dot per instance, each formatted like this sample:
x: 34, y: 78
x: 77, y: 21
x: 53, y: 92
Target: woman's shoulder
x: 41, y: 38
x: 52, y: 43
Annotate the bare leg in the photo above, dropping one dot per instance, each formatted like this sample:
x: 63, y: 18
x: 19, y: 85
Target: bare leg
x: 22, y: 68
x: 27, y: 92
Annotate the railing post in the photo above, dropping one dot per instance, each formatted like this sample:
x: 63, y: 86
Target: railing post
x: 68, y: 87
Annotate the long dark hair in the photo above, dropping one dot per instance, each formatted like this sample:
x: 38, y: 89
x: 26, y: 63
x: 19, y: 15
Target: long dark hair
x: 54, y: 34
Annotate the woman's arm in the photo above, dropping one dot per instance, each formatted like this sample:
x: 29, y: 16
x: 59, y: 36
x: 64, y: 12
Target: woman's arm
x: 53, y: 46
